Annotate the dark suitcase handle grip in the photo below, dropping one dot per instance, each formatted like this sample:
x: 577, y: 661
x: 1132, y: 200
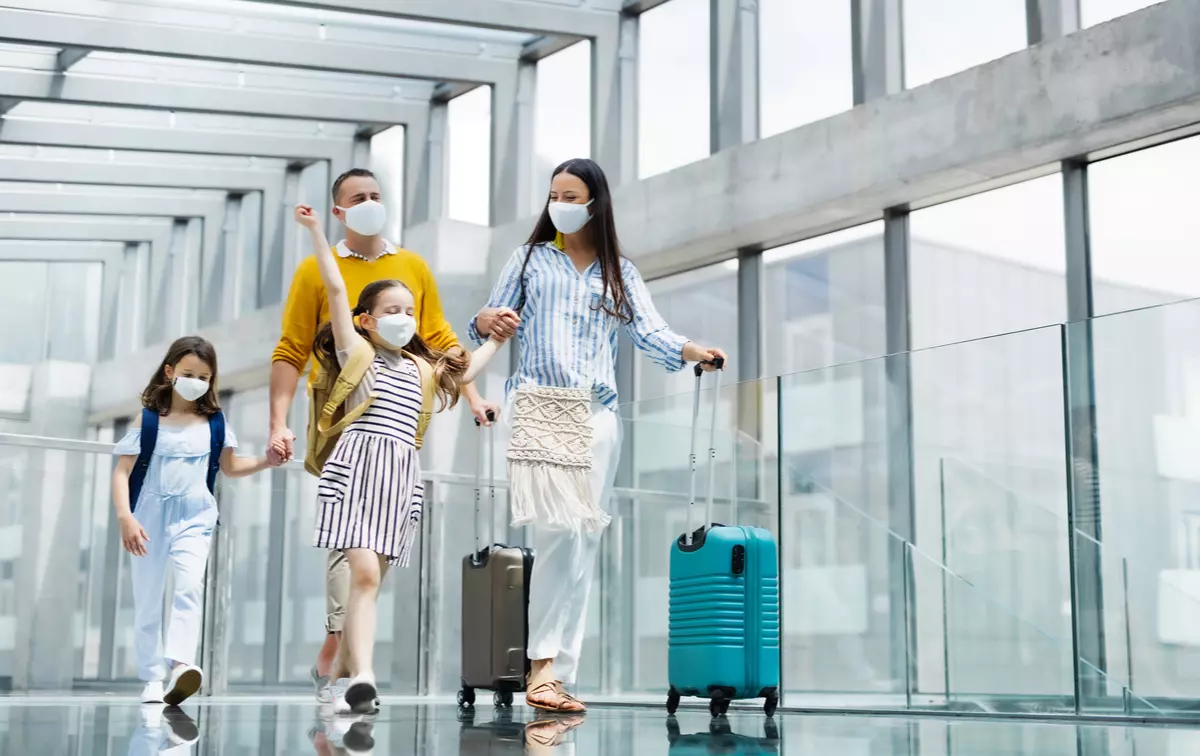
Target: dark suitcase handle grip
x: 491, y: 416
x: 718, y: 363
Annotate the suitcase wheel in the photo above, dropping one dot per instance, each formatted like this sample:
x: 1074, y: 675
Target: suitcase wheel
x: 503, y: 699
x: 771, y: 705
x: 672, y: 701
x: 719, y: 705
x: 466, y: 697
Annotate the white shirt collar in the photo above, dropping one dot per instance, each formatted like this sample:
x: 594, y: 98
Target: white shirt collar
x: 344, y: 251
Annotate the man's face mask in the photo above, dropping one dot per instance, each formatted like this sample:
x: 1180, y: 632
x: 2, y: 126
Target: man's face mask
x: 366, y: 218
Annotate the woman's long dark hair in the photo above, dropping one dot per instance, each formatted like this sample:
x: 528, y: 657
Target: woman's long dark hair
x: 448, y: 367
x: 157, y: 395
x: 600, y: 232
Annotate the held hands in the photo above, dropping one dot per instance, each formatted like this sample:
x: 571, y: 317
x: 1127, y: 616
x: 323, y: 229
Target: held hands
x: 307, y: 217
x: 499, y: 323
x: 706, y: 356
x: 280, y: 447
x: 133, y: 537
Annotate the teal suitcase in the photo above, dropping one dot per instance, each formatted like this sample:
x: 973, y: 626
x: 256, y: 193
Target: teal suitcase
x: 723, y: 611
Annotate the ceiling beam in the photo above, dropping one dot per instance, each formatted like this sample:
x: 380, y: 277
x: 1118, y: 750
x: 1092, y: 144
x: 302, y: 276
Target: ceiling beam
x: 141, y: 138
x: 506, y: 15
x: 29, y: 84
x: 485, y: 65
x: 59, y: 251
x: 637, y: 7
x: 42, y: 170
x: 14, y: 200
x: 69, y: 56
x: 18, y: 227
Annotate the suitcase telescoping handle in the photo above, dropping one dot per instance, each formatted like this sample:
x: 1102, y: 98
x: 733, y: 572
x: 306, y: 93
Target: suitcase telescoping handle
x: 491, y: 476
x: 719, y: 364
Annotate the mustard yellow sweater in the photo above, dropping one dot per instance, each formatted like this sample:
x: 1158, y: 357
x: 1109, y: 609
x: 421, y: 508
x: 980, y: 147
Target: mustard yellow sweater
x: 307, y: 308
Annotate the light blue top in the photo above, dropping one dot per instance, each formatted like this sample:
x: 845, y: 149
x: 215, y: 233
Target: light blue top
x: 564, y: 341
x: 179, y: 465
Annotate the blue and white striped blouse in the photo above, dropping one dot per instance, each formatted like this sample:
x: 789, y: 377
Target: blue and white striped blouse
x: 566, y: 342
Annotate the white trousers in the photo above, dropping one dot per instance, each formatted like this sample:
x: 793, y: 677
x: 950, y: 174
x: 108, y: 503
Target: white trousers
x: 180, y: 533
x: 565, y: 561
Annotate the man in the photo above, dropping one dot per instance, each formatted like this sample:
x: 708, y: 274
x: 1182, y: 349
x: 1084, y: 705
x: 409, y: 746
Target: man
x: 363, y: 256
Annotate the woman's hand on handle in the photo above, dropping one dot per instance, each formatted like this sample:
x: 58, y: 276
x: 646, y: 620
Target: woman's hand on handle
x: 706, y: 356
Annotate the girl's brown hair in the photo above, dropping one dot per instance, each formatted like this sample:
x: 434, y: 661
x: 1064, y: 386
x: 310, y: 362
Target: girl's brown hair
x: 448, y: 367
x: 157, y: 395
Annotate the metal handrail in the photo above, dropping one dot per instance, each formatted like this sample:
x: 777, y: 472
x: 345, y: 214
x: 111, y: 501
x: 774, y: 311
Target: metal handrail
x: 444, y: 478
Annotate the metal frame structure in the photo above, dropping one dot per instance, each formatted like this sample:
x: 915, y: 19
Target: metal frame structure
x: 290, y: 84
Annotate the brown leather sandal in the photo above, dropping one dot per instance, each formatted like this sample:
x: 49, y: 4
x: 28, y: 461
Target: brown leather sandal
x: 558, y: 686
x: 550, y: 732
x: 550, y: 686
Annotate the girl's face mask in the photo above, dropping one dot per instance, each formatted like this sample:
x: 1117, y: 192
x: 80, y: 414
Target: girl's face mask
x: 190, y: 389
x: 396, y: 330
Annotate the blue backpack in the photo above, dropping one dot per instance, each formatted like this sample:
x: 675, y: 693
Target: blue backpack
x: 216, y: 430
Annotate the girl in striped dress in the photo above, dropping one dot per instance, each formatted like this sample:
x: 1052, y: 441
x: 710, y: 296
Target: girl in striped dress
x: 370, y: 493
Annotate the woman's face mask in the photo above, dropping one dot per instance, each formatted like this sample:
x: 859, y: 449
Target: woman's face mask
x: 569, y: 217
x: 366, y: 218
x: 396, y: 330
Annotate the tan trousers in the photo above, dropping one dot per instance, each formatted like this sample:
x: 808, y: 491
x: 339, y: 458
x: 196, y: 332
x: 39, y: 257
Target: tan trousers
x: 337, y: 591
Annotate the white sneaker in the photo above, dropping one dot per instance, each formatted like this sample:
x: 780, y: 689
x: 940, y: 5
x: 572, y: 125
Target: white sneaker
x: 153, y: 692
x: 322, y: 684
x: 181, y: 729
x: 185, y: 681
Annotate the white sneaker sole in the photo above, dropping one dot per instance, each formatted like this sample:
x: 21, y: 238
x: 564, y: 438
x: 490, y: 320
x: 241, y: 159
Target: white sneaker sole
x: 184, y: 688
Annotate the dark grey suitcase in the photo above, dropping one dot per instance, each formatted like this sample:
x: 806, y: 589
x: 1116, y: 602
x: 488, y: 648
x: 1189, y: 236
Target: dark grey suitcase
x: 495, y: 605
x: 499, y: 737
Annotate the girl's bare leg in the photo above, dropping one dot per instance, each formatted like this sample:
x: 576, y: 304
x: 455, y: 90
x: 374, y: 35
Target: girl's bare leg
x: 357, y: 650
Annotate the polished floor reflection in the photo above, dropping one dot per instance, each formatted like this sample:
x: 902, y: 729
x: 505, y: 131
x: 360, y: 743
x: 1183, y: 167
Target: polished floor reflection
x: 86, y: 725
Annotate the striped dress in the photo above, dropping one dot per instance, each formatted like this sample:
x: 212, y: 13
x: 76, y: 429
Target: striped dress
x: 370, y: 495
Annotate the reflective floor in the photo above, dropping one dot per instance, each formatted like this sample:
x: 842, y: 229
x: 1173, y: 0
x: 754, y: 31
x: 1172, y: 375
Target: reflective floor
x: 87, y: 725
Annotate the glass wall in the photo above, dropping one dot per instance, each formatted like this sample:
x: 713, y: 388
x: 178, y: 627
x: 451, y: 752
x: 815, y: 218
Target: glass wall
x: 387, y: 163
x: 824, y: 301
x: 1144, y: 227
x: 470, y: 156
x: 562, y: 112
x: 805, y: 62
x: 1098, y: 11
x: 988, y: 263
x: 943, y: 37
x: 673, y: 86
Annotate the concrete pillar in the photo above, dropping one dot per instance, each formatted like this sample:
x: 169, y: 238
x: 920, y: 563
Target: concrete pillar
x: 506, y: 155
x: 420, y: 164
x: 527, y: 195
x: 164, y: 309
x: 199, y: 243
x: 250, y: 248
x: 614, y: 99
x: 733, y: 80
x: 877, y: 42
x: 110, y: 306
x: 1050, y: 19
x: 220, y: 271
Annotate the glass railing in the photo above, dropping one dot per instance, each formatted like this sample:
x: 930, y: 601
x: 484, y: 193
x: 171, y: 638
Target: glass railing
x: 940, y: 546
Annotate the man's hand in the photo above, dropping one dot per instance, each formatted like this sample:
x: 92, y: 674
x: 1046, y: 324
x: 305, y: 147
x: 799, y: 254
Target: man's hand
x: 501, y: 322
x: 280, y: 446
x: 480, y: 408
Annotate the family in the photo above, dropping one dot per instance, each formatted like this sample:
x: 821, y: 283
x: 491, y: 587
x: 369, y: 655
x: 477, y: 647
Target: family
x: 386, y: 360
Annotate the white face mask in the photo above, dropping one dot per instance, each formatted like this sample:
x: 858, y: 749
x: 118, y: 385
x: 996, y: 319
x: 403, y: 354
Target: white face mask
x: 190, y: 389
x: 366, y: 218
x: 569, y: 217
x: 396, y: 330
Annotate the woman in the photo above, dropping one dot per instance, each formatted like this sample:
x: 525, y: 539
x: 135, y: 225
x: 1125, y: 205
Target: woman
x: 566, y: 294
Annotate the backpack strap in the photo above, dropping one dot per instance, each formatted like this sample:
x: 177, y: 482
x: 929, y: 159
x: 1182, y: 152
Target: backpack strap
x: 216, y: 445
x: 351, y: 375
x: 149, y: 438
x: 425, y: 370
